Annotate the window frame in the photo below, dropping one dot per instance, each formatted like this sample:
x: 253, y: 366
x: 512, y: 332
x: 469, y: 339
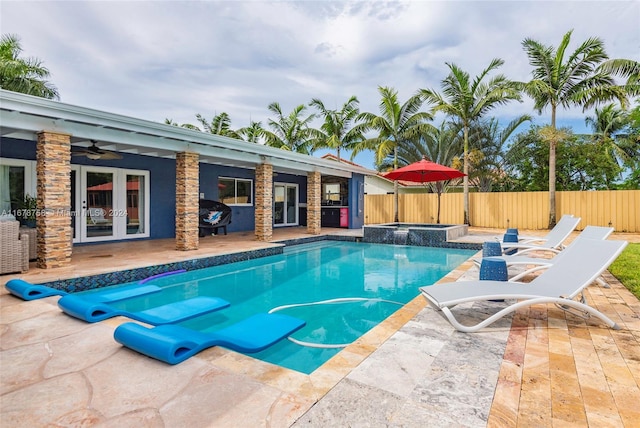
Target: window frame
x: 235, y: 191
x: 30, y: 178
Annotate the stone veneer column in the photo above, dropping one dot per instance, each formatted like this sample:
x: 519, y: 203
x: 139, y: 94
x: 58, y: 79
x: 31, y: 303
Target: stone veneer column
x: 187, y: 198
x: 314, y: 190
x: 53, y: 221
x: 264, y: 202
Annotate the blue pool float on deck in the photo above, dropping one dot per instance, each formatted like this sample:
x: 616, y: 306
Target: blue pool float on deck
x: 174, y: 344
x: 27, y: 291
x: 92, y: 311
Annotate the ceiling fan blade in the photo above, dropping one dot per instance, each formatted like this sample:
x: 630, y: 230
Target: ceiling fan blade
x: 94, y: 152
x: 110, y: 155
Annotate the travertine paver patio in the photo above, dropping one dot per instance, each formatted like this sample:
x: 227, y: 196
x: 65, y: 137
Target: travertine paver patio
x: 545, y: 368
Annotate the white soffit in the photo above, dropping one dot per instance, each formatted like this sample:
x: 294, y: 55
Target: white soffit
x: 22, y: 116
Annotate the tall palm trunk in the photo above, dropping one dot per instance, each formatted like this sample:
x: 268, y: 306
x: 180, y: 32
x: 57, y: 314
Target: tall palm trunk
x: 465, y: 180
x: 439, y: 191
x: 552, y: 171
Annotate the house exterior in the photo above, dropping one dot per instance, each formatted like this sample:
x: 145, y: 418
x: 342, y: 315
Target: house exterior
x: 376, y: 184
x: 100, y: 177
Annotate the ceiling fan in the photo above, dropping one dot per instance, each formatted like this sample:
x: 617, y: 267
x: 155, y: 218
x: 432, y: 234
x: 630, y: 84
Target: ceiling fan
x: 94, y: 152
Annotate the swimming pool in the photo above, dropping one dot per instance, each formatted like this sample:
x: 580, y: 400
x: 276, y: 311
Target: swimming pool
x: 351, y: 287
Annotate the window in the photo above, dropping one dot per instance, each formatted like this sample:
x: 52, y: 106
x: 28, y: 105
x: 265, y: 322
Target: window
x: 235, y: 191
x: 332, y: 192
x: 335, y: 191
x: 17, y: 179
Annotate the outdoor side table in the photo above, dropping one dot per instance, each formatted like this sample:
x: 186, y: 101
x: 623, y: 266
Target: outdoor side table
x: 491, y: 248
x: 510, y: 237
x: 493, y: 269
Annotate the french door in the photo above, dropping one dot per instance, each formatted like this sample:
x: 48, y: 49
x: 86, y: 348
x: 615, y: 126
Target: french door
x: 285, y: 200
x: 109, y: 203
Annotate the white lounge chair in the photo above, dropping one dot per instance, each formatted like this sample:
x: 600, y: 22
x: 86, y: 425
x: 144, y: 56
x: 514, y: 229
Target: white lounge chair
x: 559, y: 225
x: 561, y: 283
x: 552, y: 241
x: 538, y: 263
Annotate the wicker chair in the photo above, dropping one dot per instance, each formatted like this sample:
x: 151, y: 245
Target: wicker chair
x: 14, y: 248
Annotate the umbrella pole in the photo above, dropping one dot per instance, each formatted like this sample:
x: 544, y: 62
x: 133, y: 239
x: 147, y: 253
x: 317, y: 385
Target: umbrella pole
x: 395, y: 201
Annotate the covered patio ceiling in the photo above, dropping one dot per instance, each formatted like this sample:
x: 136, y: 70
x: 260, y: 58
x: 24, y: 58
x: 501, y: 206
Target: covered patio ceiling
x: 23, y: 116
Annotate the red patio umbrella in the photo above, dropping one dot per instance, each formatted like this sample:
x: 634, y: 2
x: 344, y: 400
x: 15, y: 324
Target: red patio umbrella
x: 424, y: 171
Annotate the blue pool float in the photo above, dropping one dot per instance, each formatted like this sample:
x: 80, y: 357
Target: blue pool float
x: 27, y: 291
x: 92, y: 311
x: 174, y: 344
x: 121, y: 293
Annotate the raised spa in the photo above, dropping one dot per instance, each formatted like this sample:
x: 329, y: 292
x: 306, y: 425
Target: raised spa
x: 425, y: 235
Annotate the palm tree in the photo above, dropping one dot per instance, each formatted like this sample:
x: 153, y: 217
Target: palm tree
x: 24, y: 75
x: 254, y: 133
x: 337, y: 131
x: 219, y: 125
x: 581, y: 79
x: 396, y: 125
x: 440, y: 145
x: 171, y: 122
x: 488, y: 164
x: 291, y: 132
x: 625, y: 68
x: 468, y: 101
x: 610, y: 128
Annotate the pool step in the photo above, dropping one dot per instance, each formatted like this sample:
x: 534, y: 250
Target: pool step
x: 300, y: 248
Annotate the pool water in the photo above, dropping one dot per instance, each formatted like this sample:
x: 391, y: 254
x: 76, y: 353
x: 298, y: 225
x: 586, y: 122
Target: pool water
x: 364, y: 284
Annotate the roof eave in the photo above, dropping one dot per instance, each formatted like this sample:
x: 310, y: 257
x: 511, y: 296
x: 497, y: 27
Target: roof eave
x: 52, y: 115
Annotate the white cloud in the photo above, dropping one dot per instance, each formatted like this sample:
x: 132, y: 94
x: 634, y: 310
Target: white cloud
x: 173, y: 59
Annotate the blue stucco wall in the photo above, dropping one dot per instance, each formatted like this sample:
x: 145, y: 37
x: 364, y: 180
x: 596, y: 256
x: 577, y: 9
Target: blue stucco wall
x: 17, y: 149
x: 162, y: 176
x: 356, y: 201
x: 162, y: 180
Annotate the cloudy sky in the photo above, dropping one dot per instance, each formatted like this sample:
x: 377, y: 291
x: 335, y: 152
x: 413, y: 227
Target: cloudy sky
x: 172, y: 59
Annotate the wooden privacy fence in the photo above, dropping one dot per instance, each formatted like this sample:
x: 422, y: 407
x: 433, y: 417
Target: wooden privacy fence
x: 524, y: 210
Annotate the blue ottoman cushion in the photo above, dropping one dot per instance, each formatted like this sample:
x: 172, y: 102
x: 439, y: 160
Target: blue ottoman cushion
x: 510, y: 237
x: 493, y: 269
x: 491, y: 248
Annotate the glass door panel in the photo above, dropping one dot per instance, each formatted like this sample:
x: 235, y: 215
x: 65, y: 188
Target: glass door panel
x: 135, y: 204
x: 292, y: 211
x: 74, y: 204
x: 98, y: 203
x: 285, y: 204
x: 279, y: 205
